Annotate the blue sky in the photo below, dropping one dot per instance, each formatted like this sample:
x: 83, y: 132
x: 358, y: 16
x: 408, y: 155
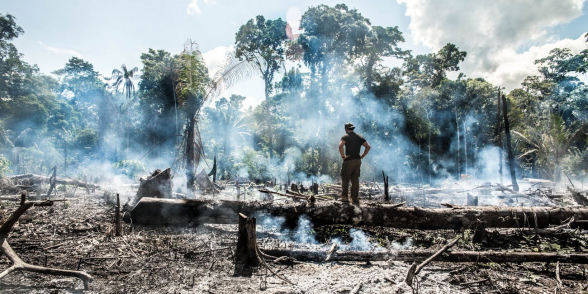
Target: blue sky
x: 502, y: 38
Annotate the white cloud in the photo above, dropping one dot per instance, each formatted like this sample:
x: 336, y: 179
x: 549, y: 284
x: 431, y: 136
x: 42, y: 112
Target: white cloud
x: 215, y: 57
x: 193, y: 7
x: 61, y: 51
x: 502, y: 38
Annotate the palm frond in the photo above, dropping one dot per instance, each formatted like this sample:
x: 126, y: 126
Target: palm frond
x: 526, y: 139
x: 232, y: 72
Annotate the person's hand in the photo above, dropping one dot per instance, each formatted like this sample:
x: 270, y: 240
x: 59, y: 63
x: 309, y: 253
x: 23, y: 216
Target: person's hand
x: 346, y: 157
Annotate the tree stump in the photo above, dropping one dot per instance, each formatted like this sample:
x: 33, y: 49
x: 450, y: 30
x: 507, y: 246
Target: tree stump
x: 246, y: 253
x: 294, y: 187
x: 479, y: 233
x: 472, y: 200
x: 158, y: 185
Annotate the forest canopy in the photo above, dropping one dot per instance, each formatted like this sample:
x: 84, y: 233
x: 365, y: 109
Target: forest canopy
x: 424, y: 127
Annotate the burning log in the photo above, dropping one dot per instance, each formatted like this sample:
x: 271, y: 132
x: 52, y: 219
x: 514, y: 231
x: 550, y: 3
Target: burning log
x: 422, y: 255
x: 157, y: 185
x: 170, y: 211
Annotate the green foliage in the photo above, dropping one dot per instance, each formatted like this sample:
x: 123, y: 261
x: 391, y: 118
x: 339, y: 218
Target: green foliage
x: 4, y: 165
x: 261, y: 42
x: 130, y: 168
x: 255, y: 163
x: 430, y: 70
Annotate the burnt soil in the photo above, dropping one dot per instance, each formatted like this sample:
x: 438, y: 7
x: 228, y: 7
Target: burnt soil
x: 78, y: 234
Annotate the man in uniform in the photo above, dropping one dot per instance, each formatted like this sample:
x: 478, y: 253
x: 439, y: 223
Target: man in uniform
x: 351, y: 162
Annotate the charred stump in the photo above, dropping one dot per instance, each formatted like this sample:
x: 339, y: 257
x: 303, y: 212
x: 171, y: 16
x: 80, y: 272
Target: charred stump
x: 246, y: 253
x: 158, y: 185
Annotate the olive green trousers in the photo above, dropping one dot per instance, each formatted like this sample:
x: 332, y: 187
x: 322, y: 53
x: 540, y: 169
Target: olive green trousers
x: 350, y: 172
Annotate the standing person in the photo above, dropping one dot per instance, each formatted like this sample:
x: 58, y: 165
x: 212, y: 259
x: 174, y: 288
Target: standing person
x: 351, y: 162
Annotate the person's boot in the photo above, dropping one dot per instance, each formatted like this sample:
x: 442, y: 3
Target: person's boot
x: 344, y: 199
x: 355, y: 201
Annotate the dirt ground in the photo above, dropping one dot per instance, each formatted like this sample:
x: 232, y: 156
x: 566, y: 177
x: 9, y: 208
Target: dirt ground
x: 78, y: 234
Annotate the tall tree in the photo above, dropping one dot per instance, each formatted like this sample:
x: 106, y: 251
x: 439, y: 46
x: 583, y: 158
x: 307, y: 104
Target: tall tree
x: 331, y: 36
x: 261, y: 42
x: 431, y: 69
x: 381, y: 42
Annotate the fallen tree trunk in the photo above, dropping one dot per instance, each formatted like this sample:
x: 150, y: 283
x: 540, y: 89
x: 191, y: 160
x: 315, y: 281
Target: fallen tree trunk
x: 170, y: 211
x: 421, y: 255
x: 36, y: 179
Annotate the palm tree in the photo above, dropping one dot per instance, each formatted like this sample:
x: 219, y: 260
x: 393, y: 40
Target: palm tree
x: 124, y: 78
x: 548, y: 148
x: 194, y: 89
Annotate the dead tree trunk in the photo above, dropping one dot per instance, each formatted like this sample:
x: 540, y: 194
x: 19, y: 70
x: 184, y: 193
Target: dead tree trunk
x: 246, y: 252
x: 117, y: 223
x: 421, y: 255
x: 386, y: 193
x: 52, y: 181
x: 499, y: 137
x: 17, y: 263
x: 169, y: 211
x: 511, y: 166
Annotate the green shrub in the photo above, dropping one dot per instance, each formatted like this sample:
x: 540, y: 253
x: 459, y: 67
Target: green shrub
x: 130, y: 168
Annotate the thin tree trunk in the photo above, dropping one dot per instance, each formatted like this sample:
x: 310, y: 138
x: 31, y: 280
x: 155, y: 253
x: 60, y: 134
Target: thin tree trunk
x: 511, y: 165
x: 458, y: 162
x: 190, y: 154
x: 499, y: 135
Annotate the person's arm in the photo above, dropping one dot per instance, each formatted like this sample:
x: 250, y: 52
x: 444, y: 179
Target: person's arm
x: 366, y: 149
x: 341, y: 144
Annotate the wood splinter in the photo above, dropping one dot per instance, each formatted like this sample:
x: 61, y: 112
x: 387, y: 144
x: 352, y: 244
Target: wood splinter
x: 17, y: 263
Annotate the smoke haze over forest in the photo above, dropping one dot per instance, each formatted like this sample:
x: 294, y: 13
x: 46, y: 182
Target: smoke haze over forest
x: 269, y: 102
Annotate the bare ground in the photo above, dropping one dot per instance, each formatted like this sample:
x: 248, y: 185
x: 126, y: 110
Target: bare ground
x: 77, y: 234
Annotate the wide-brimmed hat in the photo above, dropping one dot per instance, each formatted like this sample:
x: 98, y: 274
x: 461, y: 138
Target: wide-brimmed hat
x: 349, y: 126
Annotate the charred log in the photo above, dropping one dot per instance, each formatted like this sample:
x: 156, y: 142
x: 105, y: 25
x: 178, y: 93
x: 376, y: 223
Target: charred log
x: 170, y: 211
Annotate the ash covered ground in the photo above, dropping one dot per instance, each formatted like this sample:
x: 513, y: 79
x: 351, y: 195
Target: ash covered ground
x: 78, y: 234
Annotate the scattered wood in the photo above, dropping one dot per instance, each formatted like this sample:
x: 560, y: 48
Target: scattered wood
x: 170, y: 211
x: 415, y: 269
x: 17, y: 263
